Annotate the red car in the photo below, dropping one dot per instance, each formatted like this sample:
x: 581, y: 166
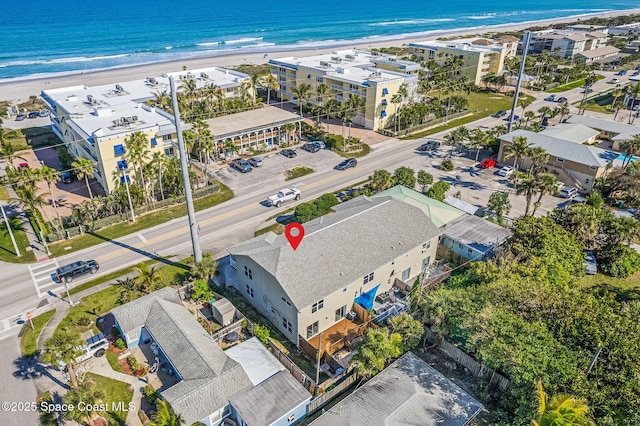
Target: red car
x: 23, y: 165
x: 488, y: 163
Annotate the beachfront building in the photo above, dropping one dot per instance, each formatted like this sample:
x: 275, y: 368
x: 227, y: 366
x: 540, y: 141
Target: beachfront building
x: 93, y: 122
x: 566, y: 44
x: 601, y: 55
x: 476, y: 60
x: 373, y: 76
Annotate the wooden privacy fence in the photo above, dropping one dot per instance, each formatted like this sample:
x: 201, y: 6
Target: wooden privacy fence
x: 462, y: 358
x: 321, y: 400
x: 295, y: 371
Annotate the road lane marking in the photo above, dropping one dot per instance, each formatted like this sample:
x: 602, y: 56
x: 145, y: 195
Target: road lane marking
x: 42, y: 273
x: 142, y: 238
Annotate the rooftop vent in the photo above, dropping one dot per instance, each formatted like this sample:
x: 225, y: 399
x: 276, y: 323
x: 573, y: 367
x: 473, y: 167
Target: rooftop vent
x: 204, y: 75
x: 72, y: 98
x: 119, y: 88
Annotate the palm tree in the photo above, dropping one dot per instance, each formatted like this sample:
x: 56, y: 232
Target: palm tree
x: 526, y: 186
x: 301, y: 93
x: 564, y: 110
x: 630, y: 148
x: 634, y: 91
x: 518, y: 149
x: 478, y: 139
x: 31, y: 201
x: 270, y: 82
x: 563, y: 409
x: 524, y: 103
x: 207, y: 145
x: 62, y: 347
x: 165, y: 416
x: 8, y: 147
x: 189, y: 90
x: 544, y: 112
x: 396, y: 100
x: 538, y: 156
x: 229, y: 147
x: 330, y: 108
x: 51, y: 176
x: 380, y: 180
x: 138, y: 153
x: 289, y: 127
x: 205, y: 268
x: 148, y: 277
x: 547, y: 183
x: 346, y: 114
x: 90, y: 395
x: 84, y: 169
x: 159, y: 162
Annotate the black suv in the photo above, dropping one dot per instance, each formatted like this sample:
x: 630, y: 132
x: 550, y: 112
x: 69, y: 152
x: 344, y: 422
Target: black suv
x: 289, y: 153
x: 66, y: 273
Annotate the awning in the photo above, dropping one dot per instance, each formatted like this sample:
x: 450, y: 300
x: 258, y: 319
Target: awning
x: 366, y: 299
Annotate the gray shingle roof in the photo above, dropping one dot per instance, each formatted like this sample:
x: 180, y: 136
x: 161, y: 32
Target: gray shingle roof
x: 477, y: 233
x: 578, y: 133
x: 270, y: 400
x: 594, y: 53
x: 559, y: 148
x: 408, y: 392
x: 133, y: 315
x: 339, y: 248
x: 624, y: 131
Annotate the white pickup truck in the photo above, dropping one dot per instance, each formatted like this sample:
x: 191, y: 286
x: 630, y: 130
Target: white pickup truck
x: 283, y: 196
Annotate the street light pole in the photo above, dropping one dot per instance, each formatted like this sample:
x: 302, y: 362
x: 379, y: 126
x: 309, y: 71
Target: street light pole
x: 191, y: 213
x: 525, y: 48
x: 122, y: 165
x: 6, y: 222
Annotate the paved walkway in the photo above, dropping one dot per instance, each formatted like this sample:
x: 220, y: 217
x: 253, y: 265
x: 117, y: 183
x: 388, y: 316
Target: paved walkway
x: 38, y: 248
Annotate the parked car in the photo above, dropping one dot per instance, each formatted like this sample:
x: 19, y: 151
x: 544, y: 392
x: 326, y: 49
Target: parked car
x: 562, y: 99
x: 66, y: 177
x: 95, y: 346
x: 289, y: 153
x: 242, y: 166
x: 506, y: 171
x: 487, y: 163
x: 568, y: 192
x: 621, y: 72
x: 614, y: 80
x: 284, y: 195
x: 590, y: 264
x: 34, y: 114
x: 347, y: 164
x: 255, y: 161
x: 319, y: 144
x: 636, y: 72
x: 550, y: 98
x: 429, y: 146
x: 68, y: 272
x: 44, y: 113
x: 20, y: 117
x: 23, y: 165
x: 500, y: 113
x: 310, y: 147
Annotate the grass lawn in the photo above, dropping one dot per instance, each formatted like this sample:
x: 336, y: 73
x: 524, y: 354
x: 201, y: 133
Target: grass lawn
x: 601, y: 103
x: 277, y: 228
x: 115, y: 392
x: 7, y: 252
x: 482, y: 104
x: 29, y: 339
x: 571, y: 85
x: 357, y: 153
x: 4, y: 194
x: 625, y: 289
x: 297, y: 172
x: 113, y: 361
x: 143, y: 222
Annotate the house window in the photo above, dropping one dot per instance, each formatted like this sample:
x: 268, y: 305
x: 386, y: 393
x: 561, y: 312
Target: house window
x: 426, y: 262
x: 248, y: 273
x: 405, y: 274
x: 249, y: 291
x: 166, y: 138
x: 286, y: 301
x: 118, y: 149
x: 319, y: 79
x: 469, y: 251
x: 291, y: 418
x: 316, y: 306
x: 368, y: 278
x: 425, y: 246
x: 341, y: 312
x: 560, y: 160
x: 312, y: 329
x: 287, y: 325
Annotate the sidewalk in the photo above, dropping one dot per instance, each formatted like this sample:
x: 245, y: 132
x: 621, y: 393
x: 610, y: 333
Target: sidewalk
x: 38, y: 248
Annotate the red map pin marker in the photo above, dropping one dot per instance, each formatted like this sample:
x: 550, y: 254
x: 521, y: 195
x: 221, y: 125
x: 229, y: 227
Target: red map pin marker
x: 294, y: 233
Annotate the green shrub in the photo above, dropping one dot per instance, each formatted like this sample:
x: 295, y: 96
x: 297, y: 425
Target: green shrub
x: 83, y: 321
x: 201, y: 291
x: 120, y: 344
x: 321, y: 206
x: 262, y: 333
x: 619, y: 261
x: 115, y: 332
x: 438, y: 190
x: 151, y: 394
x: 446, y: 165
x: 133, y: 364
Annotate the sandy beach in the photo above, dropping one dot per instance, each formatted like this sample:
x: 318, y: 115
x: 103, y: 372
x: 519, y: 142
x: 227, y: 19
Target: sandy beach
x: 19, y: 91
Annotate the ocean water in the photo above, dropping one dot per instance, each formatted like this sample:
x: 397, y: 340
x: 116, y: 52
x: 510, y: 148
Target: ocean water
x: 40, y: 38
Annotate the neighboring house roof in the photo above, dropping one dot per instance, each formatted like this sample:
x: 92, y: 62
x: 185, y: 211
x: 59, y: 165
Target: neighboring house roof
x: 483, y: 42
x: 559, y: 148
x: 331, y: 255
x: 247, y: 121
x: 133, y: 315
x: 477, y: 233
x: 271, y: 400
x: 408, y: 392
x: 508, y: 39
x: 439, y: 212
x: 462, y: 205
x: 624, y: 131
x: 600, y: 51
x: 255, y: 359
x: 571, y: 132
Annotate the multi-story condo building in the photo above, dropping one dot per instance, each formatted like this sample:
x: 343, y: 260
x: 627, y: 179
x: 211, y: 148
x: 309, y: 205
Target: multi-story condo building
x: 93, y: 122
x: 476, y: 60
x: 566, y: 44
x: 373, y: 76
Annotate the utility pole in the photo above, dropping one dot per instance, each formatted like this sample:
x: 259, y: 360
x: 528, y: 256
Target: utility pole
x: 525, y: 48
x: 191, y: 213
x: 6, y: 222
x: 123, y: 165
x: 315, y: 390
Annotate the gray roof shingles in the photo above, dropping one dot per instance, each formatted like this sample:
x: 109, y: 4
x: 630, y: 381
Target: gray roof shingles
x: 133, y: 315
x: 477, y: 233
x: 339, y: 248
x: 270, y: 400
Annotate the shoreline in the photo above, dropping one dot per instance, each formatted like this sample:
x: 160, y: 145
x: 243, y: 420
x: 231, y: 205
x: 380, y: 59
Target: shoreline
x: 19, y: 90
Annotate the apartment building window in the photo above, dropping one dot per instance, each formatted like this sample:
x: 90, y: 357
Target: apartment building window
x: 425, y: 246
x: 320, y: 79
x: 166, y: 138
x: 560, y: 160
x: 154, y: 142
x: 286, y: 301
x: 469, y: 251
x: 247, y: 272
x: 312, y: 329
x: 287, y: 325
x: 406, y: 274
x: 249, y: 291
x: 368, y: 278
x: 118, y: 149
x: 341, y: 312
x: 316, y: 306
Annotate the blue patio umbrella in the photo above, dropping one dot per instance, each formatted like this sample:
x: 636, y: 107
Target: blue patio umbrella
x: 366, y: 299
